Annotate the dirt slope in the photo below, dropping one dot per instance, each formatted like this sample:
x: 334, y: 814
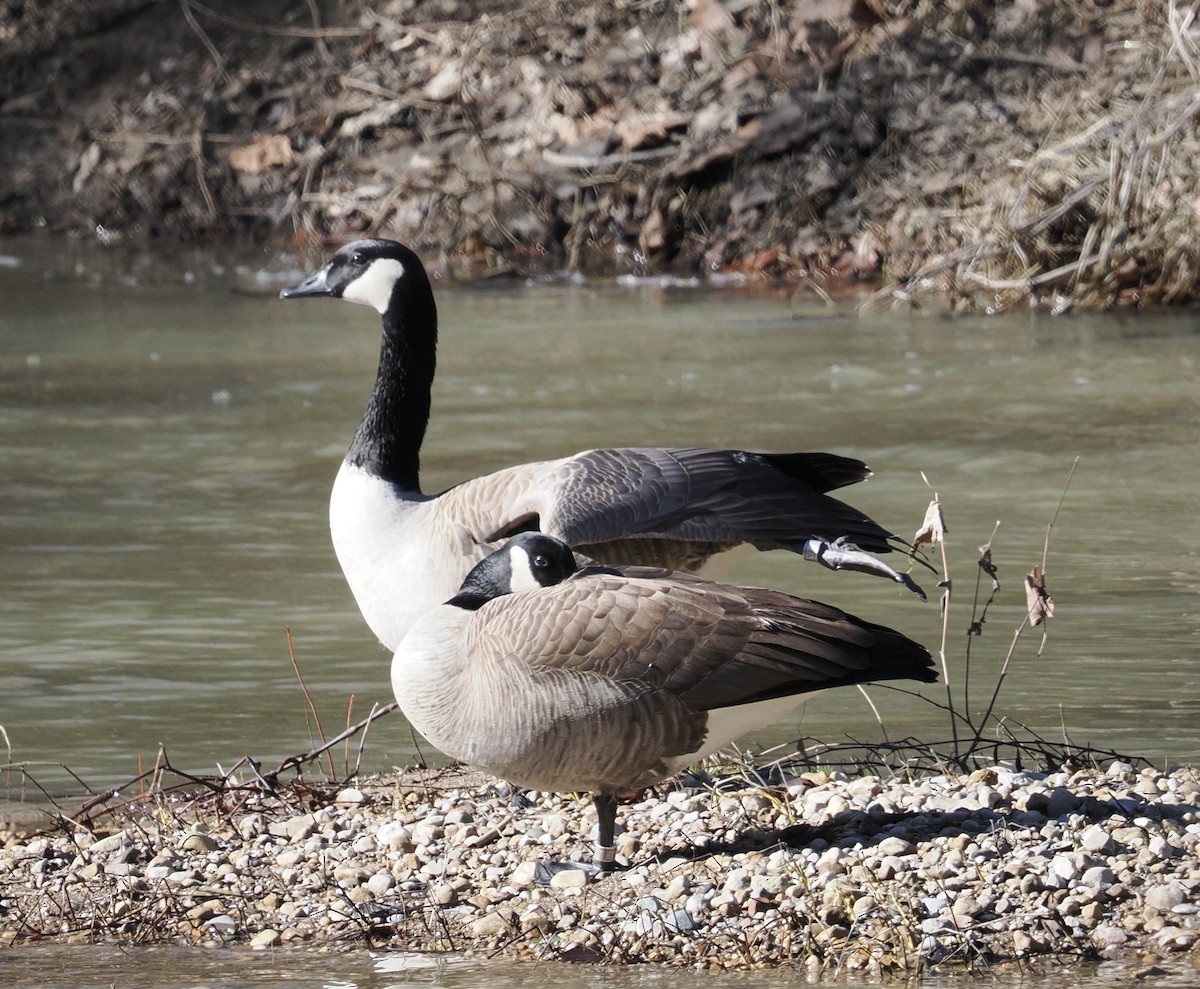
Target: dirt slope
x: 988, y: 151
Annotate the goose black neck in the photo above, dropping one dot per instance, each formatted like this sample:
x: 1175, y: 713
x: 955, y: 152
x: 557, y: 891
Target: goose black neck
x: 471, y: 599
x: 388, y: 441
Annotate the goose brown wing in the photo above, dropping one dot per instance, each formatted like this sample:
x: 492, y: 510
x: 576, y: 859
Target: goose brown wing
x: 603, y: 624
x: 704, y: 644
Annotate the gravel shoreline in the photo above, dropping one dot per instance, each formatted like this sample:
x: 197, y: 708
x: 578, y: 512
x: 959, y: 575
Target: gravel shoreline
x: 823, y: 870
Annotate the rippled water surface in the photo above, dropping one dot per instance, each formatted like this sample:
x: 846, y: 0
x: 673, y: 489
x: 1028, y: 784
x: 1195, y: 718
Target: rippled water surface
x: 167, y: 444
x: 186, y: 968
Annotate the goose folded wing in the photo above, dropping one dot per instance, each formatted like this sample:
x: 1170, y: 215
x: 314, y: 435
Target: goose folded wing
x: 719, y: 497
x: 689, y: 641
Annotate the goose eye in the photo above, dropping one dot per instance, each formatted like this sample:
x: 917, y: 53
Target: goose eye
x: 357, y: 260
x: 541, y: 562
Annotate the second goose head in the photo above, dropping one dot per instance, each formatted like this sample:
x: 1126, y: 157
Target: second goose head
x: 382, y: 274
x: 528, y: 561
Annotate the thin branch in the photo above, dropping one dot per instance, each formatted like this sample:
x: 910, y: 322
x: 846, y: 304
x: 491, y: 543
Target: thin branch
x: 308, y: 697
x: 213, y: 51
x: 1057, y: 509
x: 283, y: 32
x: 295, y: 761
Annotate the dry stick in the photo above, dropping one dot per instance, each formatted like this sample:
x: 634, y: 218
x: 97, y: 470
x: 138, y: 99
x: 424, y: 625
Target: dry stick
x: 975, y: 742
x: 213, y: 51
x: 283, y: 32
x: 198, y: 163
x: 1049, y: 527
x: 8, y: 760
x: 1057, y: 509
x: 322, y: 49
x: 346, y: 747
x: 879, y: 720
x: 308, y: 697
x: 978, y: 616
x: 948, y: 584
x: 362, y: 739
x: 987, y: 715
x: 291, y: 762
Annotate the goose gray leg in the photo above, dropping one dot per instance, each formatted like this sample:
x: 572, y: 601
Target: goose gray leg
x: 604, y: 851
x: 604, y: 854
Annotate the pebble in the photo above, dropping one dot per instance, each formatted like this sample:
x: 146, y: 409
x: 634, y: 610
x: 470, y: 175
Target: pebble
x: 1111, y: 855
x: 1095, y: 839
x: 199, y: 843
x: 1166, y: 897
x: 267, y: 938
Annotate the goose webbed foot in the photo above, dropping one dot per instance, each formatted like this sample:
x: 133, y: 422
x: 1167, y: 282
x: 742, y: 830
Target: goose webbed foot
x: 544, y: 872
x: 841, y: 555
x: 604, y: 850
x: 604, y: 861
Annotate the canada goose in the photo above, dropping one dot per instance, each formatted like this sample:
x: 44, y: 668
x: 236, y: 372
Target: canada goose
x: 403, y: 552
x: 608, y: 680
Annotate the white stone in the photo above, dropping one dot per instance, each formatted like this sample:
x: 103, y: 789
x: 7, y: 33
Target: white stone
x: 1165, y: 897
x: 1096, y: 839
x: 569, y: 879
x: 524, y: 874
x: 896, y: 846
x: 1064, y: 867
x: 266, y: 939
x: 381, y: 883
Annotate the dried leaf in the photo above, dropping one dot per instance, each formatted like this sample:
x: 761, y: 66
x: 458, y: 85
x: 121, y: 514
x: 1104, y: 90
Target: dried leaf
x: 446, y: 83
x: 987, y: 566
x: 649, y: 131
x: 87, y: 164
x: 713, y: 21
x: 261, y: 155
x: 933, y: 529
x: 1037, y: 599
x: 654, y: 232
x: 867, y: 252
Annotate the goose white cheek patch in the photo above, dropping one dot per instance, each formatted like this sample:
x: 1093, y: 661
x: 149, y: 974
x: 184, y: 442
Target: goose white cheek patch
x: 521, y: 578
x: 374, y: 286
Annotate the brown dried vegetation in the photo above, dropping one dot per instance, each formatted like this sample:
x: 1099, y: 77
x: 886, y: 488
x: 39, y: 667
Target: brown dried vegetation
x: 995, y: 152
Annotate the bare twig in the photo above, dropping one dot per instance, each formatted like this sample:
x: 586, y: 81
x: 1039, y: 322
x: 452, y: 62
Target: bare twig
x: 308, y: 697
x: 318, y: 36
x: 283, y: 32
x: 346, y: 747
x: 934, y: 530
x: 1057, y: 509
x: 8, y: 753
x: 295, y: 761
x: 871, y: 704
x: 213, y: 51
x: 978, y: 614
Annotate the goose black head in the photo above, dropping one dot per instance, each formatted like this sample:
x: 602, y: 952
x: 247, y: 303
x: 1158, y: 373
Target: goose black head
x: 526, y: 562
x: 375, y: 273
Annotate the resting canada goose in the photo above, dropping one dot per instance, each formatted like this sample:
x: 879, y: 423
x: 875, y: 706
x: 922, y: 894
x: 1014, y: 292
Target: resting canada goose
x: 609, y: 680
x: 404, y: 552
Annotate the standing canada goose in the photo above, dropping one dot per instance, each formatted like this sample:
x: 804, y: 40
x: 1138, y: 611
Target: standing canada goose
x: 404, y: 552
x: 609, y: 680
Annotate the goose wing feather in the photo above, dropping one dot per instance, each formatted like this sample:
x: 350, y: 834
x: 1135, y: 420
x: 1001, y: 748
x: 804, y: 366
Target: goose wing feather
x: 721, y: 497
x: 684, y: 639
